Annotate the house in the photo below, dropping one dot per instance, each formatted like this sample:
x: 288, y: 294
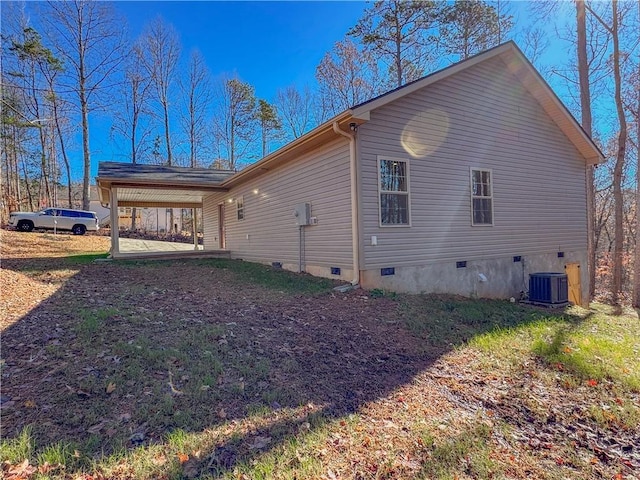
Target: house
x: 465, y: 182
x: 147, y: 219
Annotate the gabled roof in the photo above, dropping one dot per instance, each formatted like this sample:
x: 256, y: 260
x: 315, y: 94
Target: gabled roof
x: 515, y: 61
x: 155, y: 185
x: 525, y: 72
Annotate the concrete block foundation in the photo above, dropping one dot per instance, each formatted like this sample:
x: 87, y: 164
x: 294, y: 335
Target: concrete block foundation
x: 485, y: 278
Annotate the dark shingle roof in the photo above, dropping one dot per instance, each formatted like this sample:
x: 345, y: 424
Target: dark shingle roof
x: 116, y: 171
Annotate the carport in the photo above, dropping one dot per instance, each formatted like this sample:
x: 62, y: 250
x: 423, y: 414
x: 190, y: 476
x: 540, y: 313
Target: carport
x: 154, y: 186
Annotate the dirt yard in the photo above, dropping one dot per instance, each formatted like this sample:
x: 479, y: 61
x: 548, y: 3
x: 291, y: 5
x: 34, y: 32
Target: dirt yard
x: 222, y: 369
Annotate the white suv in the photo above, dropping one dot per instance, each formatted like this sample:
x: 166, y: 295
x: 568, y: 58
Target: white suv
x: 78, y: 221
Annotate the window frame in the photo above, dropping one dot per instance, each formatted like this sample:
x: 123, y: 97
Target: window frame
x: 407, y: 193
x: 485, y: 197
x: 240, y: 213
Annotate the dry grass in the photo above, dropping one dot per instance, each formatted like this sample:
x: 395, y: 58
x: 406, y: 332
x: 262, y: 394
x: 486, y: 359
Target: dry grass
x: 222, y: 369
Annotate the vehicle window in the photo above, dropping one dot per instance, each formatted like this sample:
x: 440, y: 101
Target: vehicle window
x: 48, y: 211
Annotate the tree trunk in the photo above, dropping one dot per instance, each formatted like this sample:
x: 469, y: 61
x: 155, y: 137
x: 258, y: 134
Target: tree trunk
x: 64, y: 152
x: 636, y: 273
x: 133, y: 160
x: 585, y: 106
x: 618, y: 247
x: 86, y: 196
x: 27, y: 185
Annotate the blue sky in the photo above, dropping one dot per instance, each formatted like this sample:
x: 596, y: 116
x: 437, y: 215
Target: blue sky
x: 269, y: 44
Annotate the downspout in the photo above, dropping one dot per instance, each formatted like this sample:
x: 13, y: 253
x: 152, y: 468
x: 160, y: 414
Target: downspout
x: 354, y: 203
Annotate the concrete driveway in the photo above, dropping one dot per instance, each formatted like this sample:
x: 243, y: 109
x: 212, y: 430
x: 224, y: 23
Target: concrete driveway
x: 135, y: 245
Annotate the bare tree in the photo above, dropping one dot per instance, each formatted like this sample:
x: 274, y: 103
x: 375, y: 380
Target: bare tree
x: 89, y: 39
x: 162, y: 52
x: 196, y: 93
x: 295, y: 109
x: 347, y: 77
x: 635, y: 112
x: 585, y: 109
x: 129, y: 120
x: 534, y: 43
x: 618, y: 249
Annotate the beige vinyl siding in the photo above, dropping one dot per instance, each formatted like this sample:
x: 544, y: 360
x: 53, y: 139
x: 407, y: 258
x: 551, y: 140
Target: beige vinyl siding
x: 479, y: 118
x: 320, y: 178
x: 210, y: 220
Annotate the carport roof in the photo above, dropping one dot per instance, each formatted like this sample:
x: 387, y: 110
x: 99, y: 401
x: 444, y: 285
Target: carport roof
x: 140, y: 185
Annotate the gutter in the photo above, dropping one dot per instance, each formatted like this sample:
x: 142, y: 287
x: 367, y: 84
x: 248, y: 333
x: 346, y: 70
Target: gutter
x: 355, y: 237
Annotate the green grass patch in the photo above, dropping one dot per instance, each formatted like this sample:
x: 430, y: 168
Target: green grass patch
x: 273, y: 278
x: 84, y: 258
x: 467, y: 452
x: 19, y: 448
x: 595, y: 346
x: 444, y: 321
x: 91, y: 321
x: 250, y: 273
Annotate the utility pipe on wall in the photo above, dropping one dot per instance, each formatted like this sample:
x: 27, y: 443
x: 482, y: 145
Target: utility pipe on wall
x: 354, y: 202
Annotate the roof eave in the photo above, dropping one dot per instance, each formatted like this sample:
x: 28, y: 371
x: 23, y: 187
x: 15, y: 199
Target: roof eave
x: 290, y: 150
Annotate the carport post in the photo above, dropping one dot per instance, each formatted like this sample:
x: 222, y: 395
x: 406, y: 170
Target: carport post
x: 195, y: 229
x: 113, y: 203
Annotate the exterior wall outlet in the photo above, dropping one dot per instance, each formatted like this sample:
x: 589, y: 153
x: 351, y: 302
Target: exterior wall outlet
x: 374, y: 240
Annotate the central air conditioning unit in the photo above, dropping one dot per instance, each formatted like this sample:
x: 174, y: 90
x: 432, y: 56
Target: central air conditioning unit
x: 548, y: 288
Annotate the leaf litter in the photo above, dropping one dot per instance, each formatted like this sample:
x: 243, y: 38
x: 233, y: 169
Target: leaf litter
x: 137, y: 375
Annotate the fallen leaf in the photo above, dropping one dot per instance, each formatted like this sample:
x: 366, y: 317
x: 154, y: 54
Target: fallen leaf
x: 111, y: 387
x: 592, y: 383
x: 21, y: 470
x: 30, y: 404
x: 159, y: 460
x: 45, y: 468
x: 183, y: 457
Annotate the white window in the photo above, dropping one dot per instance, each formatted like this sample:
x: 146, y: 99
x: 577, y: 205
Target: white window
x: 481, y: 197
x: 240, y: 207
x: 393, y: 189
